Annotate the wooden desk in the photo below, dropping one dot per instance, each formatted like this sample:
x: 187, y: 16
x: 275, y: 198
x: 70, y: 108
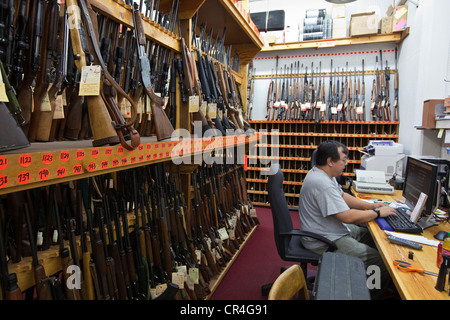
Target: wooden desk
x: 410, y: 285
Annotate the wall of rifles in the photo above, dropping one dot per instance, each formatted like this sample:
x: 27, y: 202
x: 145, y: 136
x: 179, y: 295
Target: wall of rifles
x: 71, y: 74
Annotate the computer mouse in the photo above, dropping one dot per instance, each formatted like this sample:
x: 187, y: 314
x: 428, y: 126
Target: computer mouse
x: 441, y: 235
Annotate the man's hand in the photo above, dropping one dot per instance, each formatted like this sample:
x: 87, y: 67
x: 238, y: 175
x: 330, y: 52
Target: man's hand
x: 386, y: 211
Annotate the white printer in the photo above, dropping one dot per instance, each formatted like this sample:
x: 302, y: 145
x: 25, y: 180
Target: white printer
x: 383, y: 155
x: 372, y: 182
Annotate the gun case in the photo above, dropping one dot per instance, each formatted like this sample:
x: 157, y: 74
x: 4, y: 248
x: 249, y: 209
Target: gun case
x: 340, y: 277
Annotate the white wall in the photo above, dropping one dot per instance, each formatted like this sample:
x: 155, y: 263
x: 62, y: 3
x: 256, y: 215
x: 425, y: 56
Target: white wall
x: 423, y: 61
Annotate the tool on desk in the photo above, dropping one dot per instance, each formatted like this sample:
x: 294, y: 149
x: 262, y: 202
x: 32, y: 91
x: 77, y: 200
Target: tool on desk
x: 406, y: 266
x: 366, y: 197
x: 404, y: 242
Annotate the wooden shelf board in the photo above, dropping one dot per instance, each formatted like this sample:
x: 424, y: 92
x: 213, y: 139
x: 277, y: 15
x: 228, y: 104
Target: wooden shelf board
x: 395, y: 37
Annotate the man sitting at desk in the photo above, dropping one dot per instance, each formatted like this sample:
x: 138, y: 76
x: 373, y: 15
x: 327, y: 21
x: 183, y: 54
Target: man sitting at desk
x: 328, y: 211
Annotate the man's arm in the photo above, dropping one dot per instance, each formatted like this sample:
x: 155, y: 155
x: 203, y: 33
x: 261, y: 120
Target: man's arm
x: 362, y: 211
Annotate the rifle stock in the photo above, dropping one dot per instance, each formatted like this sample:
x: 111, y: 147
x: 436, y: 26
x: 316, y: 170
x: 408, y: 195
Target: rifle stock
x: 41, y: 280
x: 98, y: 114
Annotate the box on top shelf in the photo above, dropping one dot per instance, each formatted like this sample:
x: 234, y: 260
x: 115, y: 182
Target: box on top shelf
x: 364, y: 23
x: 399, y: 16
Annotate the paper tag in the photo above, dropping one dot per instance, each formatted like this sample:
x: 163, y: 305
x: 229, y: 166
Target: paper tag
x: 178, y: 279
x: 125, y: 108
x: 212, y: 110
x: 372, y: 106
x: 203, y: 107
x: 308, y: 105
x: 333, y: 110
x: 339, y: 107
x: 223, y: 234
x: 359, y: 110
x: 253, y: 213
x: 194, y: 103
x: 59, y: 107
x: 193, y: 273
x: 3, y: 95
x: 323, y: 107
x: 45, y: 104
x: 90, y: 81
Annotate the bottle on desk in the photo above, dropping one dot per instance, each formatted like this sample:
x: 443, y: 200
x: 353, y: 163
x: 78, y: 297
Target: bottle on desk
x: 443, y: 248
x: 446, y: 245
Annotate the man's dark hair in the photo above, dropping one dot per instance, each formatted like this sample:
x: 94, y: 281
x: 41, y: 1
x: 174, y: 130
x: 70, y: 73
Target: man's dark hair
x: 329, y: 149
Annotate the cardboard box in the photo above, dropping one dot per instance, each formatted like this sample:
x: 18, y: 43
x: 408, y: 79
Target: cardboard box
x: 399, y: 16
x: 386, y: 25
x: 429, y: 112
x: 364, y: 23
x: 339, y: 28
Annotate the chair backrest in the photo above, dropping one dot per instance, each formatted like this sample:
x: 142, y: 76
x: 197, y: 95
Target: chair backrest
x: 290, y: 282
x: 282, y: 221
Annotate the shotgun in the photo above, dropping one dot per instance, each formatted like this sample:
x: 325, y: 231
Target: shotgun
x: 163, y: 127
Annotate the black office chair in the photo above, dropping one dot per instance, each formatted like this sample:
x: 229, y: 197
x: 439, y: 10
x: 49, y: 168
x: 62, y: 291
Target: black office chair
x: 288, y: 239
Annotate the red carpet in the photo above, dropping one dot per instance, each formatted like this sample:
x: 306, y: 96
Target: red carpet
x: 256, y: 265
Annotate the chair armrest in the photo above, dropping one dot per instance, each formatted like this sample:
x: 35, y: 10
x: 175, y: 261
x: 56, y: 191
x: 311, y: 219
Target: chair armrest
x: 296, y: 232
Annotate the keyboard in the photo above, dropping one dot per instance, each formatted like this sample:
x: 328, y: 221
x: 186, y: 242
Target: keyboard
x: 402, y: 223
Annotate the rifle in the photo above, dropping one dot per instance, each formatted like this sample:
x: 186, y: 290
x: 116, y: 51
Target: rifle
x: 305, y: 97
x: 203, y: 84
x: 57, y: 52
x: 88, y: 267
x: 99, y: 116
x: 119, y: 124
x: 41, y: 280
x: 10, y: 289
x: 188, y: 65
x: 362, y: 111
x: 98, y: 256
x: 42, y: 81
x: 252, y: 89
x: 396, y: 112
x: 71, y: 294
x: 312, y: 96
x: 387, y: 106
x: 330, y: 95
x: 113, y: 249
x: 382, y: 92
x: 374, y: 100
x: 140, y: 261
x: 355, y: 99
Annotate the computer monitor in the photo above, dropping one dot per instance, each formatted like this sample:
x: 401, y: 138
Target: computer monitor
x: 421, y: 176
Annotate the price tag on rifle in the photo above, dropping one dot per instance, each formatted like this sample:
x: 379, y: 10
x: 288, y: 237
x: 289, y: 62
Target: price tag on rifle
x: 193, y: 276
x: 125, y: 108
x: 194, y: 103
x: 223, y: 234
x: 45, y: 104
x: 307, y: 105
x: 303, y: 107
x: 203, y: 107
x: 339, y: 107
x: 212, y: 110
x: 3, y: 95
x: 323, y: 107
x: 372, y: 105
x: 59, y: 107
x: 178, y: 279
x: 90, y: 81
x: 359, y: 110
x: 333, y: 110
